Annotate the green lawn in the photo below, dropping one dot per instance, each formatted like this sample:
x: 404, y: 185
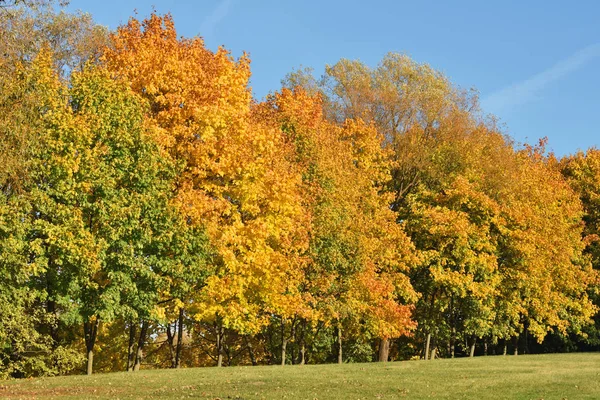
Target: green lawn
x: 555, y: 376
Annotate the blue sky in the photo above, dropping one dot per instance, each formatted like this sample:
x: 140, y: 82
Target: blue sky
x: 534, y: 63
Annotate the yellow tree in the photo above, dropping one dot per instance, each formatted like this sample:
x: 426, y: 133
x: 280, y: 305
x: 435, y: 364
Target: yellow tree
x: 582, y: 171
x: 236, y: 181
x: 545, y: 273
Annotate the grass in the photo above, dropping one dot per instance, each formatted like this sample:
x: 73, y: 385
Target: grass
x: 551, y: 376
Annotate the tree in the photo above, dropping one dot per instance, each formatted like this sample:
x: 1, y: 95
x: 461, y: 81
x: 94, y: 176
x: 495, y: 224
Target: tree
x: 545, y: 286
x: 358, y: 255
x: 582, y: 171
x: 236, y: 181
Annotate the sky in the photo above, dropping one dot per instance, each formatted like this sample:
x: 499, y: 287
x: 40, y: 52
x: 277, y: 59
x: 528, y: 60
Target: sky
x: 534, y: 63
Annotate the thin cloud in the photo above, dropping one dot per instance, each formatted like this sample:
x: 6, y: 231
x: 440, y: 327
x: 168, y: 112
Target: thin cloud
x: 525, y: 91
x: 216, y: 16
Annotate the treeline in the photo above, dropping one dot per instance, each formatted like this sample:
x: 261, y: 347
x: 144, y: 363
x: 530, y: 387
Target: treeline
x: 153, y: 214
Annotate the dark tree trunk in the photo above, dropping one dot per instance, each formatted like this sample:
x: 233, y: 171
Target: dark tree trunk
x: 90, y: 332
x: 171, y: 342
x: 270, y: 348
x: 179, y: 339
x: 516, y: 343
x: 302, y: 353
x: 250, y: 351
x: 139, y: 355
x: 339, y: 337
x: 301, y: 359
x: 283, y: 342
x: 452, y: 339
x: 131, y: 347
x: 294, y: 342
x: 227, y: 353
x: 220, y: 331
x: 51, y: 308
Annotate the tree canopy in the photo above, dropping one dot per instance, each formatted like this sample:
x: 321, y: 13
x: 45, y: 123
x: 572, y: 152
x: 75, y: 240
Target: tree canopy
x: 154, y: 214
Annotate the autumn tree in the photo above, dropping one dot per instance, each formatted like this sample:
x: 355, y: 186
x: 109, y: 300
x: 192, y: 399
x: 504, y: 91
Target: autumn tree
x: 582, y: 171
x: 356, y: 277
x: 236, y: 181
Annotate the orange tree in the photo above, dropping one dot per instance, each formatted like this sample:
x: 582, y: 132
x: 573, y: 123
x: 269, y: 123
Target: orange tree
x: 235, y: 182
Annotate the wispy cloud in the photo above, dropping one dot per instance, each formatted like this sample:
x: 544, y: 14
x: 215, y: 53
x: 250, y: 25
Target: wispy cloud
x: 214, y: 18
x: 528, y: 90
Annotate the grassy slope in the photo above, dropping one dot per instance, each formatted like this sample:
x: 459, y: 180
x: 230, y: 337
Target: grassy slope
x: 556, y: 376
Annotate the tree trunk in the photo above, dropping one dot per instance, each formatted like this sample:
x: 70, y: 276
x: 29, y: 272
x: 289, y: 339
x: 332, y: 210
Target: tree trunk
x: 250, y: 351
x: 90, y: 362
x: 179, y: 339
x: 283, y: 349
x: 301, y: 342
x: 131, y: 347
x: 295, y: 341
x: 270, y: 347
x: 51, y: 308
x: 427, y: 343
x: 302, y: 354
x: 283, y: 342
x: 339, y: 335
x: 433, y: 352
x: 90, y: 332
x: 452, y: 340
x: 171, y: 343
x: 485, y: 348
x: 227, y: 354
x: 384, y: 350
x: 472, y: 352
x: 505, y: 348
x: 516, y: 343
x: 139, y: 355
x: 220, y: 333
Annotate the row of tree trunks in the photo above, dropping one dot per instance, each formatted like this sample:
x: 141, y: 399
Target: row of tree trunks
x: 430, y: 349
x: 383, y: 351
